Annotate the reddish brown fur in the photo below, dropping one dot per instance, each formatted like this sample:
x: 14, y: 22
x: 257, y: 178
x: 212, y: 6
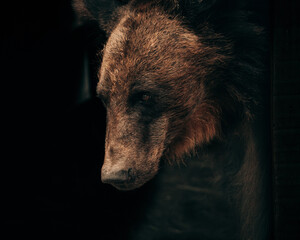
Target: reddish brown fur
x: 202, y: 126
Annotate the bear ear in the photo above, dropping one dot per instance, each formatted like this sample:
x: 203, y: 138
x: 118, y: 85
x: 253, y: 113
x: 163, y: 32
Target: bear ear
x: 101, y: 11
x: 106, y: 12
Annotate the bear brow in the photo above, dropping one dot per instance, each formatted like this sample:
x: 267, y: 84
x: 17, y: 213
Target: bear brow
x: 146, y: 87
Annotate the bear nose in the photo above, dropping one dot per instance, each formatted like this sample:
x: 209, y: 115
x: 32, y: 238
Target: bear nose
x: 117, y: 177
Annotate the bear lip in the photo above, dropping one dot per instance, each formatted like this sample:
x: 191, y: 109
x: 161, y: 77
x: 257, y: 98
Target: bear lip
x: 127, y: 186
x: 124, y: 186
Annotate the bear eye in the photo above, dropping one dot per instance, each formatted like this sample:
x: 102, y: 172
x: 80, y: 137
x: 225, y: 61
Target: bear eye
x: 141, y: 98
x: 145, y: 98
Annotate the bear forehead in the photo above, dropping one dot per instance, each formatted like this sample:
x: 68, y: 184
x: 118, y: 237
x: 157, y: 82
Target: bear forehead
x: 147, y: 45
x: 142, y: 33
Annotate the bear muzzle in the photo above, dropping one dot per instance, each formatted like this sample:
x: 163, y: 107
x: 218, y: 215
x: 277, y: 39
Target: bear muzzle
x: 123, y: 179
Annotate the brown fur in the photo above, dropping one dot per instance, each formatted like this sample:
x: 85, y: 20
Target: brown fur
x: 202, y: 126
x: 186, y: 59
x: 171, y: 87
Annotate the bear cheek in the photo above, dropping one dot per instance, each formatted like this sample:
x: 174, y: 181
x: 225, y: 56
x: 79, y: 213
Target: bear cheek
x: 158, y: 138
x: 200, y: 127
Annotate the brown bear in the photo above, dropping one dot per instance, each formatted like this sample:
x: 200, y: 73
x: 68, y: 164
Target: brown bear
x: 184, y: 81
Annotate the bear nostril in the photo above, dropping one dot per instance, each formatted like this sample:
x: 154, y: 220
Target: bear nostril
x: 119, y: 177
x: 111, y: 151
x: 131, y: 176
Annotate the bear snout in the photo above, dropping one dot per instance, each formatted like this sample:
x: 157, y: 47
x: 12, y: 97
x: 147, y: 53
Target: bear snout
x: 118, y: 177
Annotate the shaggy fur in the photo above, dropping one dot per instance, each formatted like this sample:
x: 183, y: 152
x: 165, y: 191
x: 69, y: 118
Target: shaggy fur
x: 181, y: 81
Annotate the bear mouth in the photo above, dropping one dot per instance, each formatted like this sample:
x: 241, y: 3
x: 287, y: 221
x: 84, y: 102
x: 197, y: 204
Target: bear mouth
x: 126, y: 186
x: 127, y: 180
x: 131, y: 185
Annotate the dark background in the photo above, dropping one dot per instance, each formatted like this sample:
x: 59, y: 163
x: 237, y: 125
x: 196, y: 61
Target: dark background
x: 53, y: 130
x: 285, y: 73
